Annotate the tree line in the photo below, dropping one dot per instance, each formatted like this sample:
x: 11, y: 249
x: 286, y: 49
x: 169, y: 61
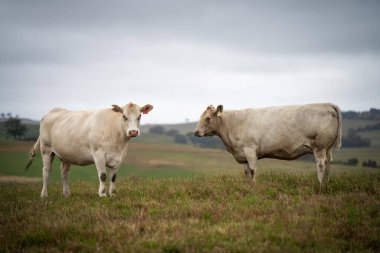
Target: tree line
x: 372, y: 114
x: 13, y: 126
x: 370, y: 163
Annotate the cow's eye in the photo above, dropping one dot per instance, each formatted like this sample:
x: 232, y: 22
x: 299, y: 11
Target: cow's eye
x: 207, y: 120
x: 139, y: 117
x: 125, y: 117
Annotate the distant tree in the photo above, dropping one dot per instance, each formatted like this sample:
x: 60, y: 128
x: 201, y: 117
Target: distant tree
x: 9, y: 115
x: 157, y: 130
x: 353, y: 161
x: 350, y: 115
x: 370, y: 163
x: 373, y: 114
x: 171, y: 132
x: 15, y: 128
x: 3, y: 115
x: 181, y: 139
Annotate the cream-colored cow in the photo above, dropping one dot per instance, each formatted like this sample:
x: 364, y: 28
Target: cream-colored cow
x: 87, y: 137
x: 286, y: 133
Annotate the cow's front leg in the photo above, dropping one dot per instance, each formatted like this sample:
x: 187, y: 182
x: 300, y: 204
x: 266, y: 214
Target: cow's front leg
x: 100, y: 163
x: 248, y: 171
x: 112, y: 189
x: 251, y: 166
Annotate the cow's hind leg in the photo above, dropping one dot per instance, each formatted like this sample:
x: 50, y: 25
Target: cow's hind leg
x: 112, y: 189
x: 323, y: 166
x: 328, y: 163
x: 47, y: 160
x: 65, y: 170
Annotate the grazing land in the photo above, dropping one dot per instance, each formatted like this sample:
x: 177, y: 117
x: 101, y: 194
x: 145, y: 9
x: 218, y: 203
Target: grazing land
x: 177, y: 198
x: 281, y: 213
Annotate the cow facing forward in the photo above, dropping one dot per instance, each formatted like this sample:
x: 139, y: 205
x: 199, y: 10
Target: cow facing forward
x: 285, y: 133
x: 87, y: 137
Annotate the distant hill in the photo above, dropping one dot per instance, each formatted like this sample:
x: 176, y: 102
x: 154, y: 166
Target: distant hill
x: 351, y: 120
x: 23, y: 121
x: 372, y: 114
x: 182, y: 128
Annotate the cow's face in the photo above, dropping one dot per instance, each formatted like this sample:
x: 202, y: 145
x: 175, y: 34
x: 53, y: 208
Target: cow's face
x: 209, y: 122
x: 131, y: 115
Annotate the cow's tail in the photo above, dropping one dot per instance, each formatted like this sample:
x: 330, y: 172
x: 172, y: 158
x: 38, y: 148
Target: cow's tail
x: 338, y: 141
x: 33, y: 153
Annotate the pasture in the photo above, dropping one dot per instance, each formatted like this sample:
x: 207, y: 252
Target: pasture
x: 177, y: 198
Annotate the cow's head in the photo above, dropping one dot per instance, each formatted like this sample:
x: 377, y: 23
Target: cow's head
x: 130, y: 115
x: 209, y: 121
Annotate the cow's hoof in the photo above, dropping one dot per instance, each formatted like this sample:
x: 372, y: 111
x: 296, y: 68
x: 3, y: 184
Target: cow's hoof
x: 112, y: 194
x: 67, y: 194
x: 102, y: 194
x: 44, y: 195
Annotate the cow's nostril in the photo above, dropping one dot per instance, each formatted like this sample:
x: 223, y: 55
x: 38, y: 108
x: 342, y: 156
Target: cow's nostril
x: 133, y: 133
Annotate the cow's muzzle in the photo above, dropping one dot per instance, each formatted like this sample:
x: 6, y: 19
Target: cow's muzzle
x: 133, y: 133
x: 197, y: 133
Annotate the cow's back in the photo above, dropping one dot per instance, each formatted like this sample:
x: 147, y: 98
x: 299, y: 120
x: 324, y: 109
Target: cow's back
x: 67, y: 134
x: 296, y: 129
x: 283, y: 132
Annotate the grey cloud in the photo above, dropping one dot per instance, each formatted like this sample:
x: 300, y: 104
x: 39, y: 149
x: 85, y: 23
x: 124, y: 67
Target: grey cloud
x: 183, y: 55
x: 271, y: 26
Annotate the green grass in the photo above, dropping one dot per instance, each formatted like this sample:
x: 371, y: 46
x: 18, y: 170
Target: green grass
x: 177, y: 198
x: 11, y: 164
x: 280, y: 213
x: 169, y: 160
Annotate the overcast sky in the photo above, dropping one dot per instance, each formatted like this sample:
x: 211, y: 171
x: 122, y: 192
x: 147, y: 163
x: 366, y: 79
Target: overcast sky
x: 181, y: 56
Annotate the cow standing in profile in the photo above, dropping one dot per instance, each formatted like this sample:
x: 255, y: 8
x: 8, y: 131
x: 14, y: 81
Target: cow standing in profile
x: 87, y: 137
x: 285, y: 133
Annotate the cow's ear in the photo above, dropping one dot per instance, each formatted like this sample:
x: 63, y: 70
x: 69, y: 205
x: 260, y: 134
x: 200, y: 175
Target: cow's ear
x: 117, y: 108
x: 219, y: 110
x: 146, y: 108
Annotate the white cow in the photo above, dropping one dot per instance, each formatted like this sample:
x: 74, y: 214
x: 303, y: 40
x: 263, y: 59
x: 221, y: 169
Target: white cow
x: 285, y: 132
x: 87, y: 137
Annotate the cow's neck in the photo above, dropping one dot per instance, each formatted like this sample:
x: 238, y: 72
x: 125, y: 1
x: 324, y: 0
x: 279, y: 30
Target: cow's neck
x: 225, y: 131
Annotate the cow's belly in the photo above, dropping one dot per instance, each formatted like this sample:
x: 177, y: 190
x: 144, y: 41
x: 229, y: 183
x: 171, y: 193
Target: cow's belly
x: 75, y: 157
x: 288, y: 154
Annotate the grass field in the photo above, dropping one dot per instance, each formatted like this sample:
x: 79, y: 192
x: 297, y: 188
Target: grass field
x: 160, y: 158
x: 281, y: 213
x: 177, y: 198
